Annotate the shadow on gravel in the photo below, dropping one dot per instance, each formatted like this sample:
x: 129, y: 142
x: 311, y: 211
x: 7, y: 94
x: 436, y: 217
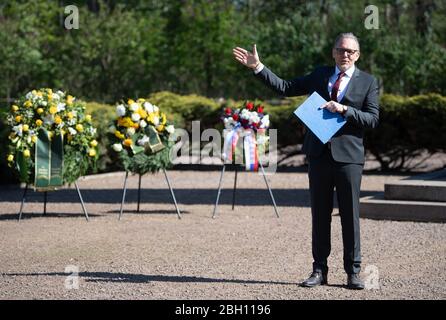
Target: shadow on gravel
x: 244, y: 197
x: 143, y: 278
x: 337, y: 285
x: 34, y: 215
x: 147, y: 211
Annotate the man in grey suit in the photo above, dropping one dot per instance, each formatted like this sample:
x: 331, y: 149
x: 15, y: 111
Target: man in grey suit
x: 339, y: 163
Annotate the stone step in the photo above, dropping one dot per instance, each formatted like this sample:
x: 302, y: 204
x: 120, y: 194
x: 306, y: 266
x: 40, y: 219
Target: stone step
x: 376, y: 207
x: 416, y: 190
x: 424, y: 187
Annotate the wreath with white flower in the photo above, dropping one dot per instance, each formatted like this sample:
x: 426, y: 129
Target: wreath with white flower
x: 141, y: 135
x: 249, y: 124
x: 58, y: 114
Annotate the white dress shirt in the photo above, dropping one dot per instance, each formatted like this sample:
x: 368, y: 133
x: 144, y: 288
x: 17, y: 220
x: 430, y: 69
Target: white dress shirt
x: 345, y: 80
x: 259, y: 68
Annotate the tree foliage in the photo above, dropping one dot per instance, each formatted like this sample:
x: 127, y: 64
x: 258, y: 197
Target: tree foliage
x: 130, y: 48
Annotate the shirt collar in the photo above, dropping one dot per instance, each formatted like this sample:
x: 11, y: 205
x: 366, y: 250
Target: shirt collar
x: 348, y: 72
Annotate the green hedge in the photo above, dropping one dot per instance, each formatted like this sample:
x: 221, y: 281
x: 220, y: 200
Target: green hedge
x: 102, y: 115
x: 182, y: 110
x: 408, y: 126
x: 6, y: 174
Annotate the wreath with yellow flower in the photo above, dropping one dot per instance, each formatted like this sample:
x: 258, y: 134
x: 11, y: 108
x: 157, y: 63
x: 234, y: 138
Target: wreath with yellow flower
x: 141, y: 135
x: 58, y: 115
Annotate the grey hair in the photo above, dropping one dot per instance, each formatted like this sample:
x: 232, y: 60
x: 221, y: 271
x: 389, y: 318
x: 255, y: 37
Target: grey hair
x: 346, y: 35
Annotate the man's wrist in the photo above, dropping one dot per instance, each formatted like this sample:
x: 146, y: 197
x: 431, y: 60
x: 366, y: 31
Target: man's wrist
x: 259, y: 66
x: 344, y: 109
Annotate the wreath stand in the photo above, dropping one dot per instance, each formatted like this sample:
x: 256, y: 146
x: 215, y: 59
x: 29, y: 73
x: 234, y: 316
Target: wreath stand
x: 235, y: 187
x: 139, y: 194
x: 45, y: 196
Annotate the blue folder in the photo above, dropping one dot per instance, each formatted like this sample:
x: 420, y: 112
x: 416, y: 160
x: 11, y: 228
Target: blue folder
x: 323, y: 123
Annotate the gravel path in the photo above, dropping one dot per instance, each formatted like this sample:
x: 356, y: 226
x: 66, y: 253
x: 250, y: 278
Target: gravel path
x: 247, y: 253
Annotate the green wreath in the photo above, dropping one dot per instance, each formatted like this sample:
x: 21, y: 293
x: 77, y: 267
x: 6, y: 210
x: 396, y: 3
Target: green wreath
x: 141, y: 135
x: 56, y: 114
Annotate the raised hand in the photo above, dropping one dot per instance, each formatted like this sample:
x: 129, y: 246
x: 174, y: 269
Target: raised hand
x: 249, y: 59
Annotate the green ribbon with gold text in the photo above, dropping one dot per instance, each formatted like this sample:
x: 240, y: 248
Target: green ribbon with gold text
x: 48, y: 160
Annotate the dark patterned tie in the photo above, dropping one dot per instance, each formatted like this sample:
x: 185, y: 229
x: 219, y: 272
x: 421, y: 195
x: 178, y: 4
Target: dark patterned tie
x: 334, y: 90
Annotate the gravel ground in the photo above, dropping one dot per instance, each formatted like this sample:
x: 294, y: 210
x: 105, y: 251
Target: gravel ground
x: 246, y: 253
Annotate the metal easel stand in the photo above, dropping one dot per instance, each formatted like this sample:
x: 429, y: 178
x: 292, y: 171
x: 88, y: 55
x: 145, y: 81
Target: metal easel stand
x: 235, y: 187
x: 139, y: 194
x: 45, y: 198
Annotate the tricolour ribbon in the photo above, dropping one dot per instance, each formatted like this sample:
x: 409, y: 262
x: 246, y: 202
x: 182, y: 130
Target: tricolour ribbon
x: 250, y: 151
x: 230, y: 144
x: 232, y: 147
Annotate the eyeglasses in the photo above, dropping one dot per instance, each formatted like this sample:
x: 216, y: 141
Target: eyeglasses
x: 342, y: 51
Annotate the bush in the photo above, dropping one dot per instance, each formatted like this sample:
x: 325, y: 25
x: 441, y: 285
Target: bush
x: 290, y: 130
x: 7, y: 175
x: 102, y: 116
x: 188, y: 108
x: 408, y: 127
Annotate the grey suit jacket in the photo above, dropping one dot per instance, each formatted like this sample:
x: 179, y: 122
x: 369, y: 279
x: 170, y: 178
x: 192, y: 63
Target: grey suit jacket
x: 361, y: 97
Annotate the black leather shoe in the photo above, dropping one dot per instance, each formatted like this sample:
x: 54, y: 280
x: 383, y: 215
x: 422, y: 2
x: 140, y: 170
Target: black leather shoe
x: 316, y: 279
x: 354, y: 282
